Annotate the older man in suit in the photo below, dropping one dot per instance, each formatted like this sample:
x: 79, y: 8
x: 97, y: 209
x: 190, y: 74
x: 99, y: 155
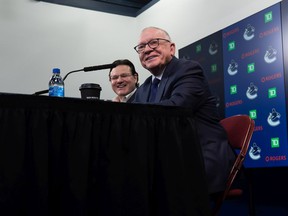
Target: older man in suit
x: 183, y: 83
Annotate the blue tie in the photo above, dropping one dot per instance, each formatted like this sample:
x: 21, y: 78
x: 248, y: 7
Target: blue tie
x: 153, y: 90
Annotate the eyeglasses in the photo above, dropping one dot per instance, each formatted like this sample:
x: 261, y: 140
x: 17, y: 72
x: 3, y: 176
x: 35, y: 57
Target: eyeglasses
x: 116, y: 77
x: 153, y: 44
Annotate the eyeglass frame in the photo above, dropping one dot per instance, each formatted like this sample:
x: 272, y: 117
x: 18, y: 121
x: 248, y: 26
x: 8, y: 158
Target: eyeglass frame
x: 148, y: 43
x: 123, y: 76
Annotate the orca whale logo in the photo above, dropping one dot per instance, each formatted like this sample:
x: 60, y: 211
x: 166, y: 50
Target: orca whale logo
x: 270, y: 55
x: 273, y: 118
x: 251, y: 92
x: 249, y: 32
x: 213, y: 48
x: 232, y: 68
x: 254, y: 152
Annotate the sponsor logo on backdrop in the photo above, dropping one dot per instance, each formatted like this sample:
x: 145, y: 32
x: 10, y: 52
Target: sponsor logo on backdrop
x: 233, y: 89
x: 251, y: 92
x: 253, y: 114
x: 271, y: 77
x: 274, y: 158
x: 234, y: 103
x: 275, y: 142
x: 231, y: 32
x: 258, y: 128
x: 198, y: 48
x: 273, y: 118
x: 231, y: 46
x: 269, y: 32
x: 254, y: 152
x: 268, y: 17
x: 251, y: 67
x: 213, y: 48
x: 270, y: 55
x: 214, y: 68
x: 232, y: 68
x: 249, y: 32
x: 250, y: 53
x: 272, y: 92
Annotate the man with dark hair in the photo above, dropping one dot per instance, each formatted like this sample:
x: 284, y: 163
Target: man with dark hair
x: 124, y: 80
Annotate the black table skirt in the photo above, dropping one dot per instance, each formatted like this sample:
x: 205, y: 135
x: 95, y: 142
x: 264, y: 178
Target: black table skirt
x: 65, y: 156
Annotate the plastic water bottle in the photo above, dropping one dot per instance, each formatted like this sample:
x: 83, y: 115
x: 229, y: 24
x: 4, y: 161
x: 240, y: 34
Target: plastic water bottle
x: 56, y: 84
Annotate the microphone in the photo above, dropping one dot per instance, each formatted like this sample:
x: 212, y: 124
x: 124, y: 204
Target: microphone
x: 98, y: 67
x: 85, y: 69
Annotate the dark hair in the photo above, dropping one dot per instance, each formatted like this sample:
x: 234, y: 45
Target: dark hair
x: 128, y: 63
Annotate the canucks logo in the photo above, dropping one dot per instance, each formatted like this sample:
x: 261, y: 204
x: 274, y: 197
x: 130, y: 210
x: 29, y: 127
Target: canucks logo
x: 213, y: 48
x: 270, y: 55
x: 232, y: 68
x: 249, y: 32
x: 254, y: 152
x: 274, y: 118
x: 251, y: 92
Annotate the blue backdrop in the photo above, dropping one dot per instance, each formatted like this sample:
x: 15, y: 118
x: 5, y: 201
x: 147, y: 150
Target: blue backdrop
x: 244, y: 64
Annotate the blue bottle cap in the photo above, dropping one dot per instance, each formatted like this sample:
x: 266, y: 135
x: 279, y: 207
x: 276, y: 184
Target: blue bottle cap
x: 56, y: 70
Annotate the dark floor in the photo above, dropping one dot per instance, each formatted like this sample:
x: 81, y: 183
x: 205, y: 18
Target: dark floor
x: 238, y: 208
x: 270, y: 189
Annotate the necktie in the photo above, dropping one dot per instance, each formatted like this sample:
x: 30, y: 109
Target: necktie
x: 153, y: 89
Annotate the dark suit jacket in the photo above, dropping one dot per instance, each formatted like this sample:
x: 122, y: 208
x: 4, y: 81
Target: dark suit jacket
x: 131, y: 98
x: 183, y: 84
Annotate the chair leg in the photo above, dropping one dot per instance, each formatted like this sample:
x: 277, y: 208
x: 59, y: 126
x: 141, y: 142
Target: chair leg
x: 216, y: 203
x: 251, y: 202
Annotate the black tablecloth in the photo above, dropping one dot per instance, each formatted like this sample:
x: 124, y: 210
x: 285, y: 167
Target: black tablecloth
x: 65, y: 156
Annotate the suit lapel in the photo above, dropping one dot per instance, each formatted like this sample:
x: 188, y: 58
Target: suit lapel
x: 146, y: 89
x: 164, y: 80
x: 160, y: 90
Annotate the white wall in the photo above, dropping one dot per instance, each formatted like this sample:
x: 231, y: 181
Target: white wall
x: 37, y: 36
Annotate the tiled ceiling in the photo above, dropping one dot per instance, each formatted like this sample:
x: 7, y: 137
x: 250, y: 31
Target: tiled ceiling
x: 120, y: 7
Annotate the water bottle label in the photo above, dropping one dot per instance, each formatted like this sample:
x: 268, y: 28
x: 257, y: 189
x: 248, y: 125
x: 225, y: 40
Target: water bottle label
x: 57, y: 91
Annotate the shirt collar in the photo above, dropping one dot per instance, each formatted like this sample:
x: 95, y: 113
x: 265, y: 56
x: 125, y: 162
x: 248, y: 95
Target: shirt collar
x: 159, y: 76
x: 128, y: 96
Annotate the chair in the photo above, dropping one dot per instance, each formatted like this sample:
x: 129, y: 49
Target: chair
x: 239, y: 130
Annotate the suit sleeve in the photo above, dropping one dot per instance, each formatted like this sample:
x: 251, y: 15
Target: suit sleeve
x: 186, y: 86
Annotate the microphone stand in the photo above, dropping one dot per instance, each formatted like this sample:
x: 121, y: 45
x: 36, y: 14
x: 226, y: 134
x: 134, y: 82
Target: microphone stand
x: 70, y: 73
x: 85, y: 69
x: 47, y: 90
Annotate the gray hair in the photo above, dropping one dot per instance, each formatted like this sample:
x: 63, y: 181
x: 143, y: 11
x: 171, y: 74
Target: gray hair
x: 159, y: 29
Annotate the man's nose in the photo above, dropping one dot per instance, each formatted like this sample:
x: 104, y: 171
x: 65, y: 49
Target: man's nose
x: 119, y: 79
x: 147, y: 49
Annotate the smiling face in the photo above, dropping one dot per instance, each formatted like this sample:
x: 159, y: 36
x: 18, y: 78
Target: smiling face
x: 122, y: 80
x: 156, y: 59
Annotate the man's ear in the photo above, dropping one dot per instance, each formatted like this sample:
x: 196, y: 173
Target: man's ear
x: 172, y: 49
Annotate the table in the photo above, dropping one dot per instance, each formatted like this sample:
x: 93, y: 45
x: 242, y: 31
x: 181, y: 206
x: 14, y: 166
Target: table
x: 69, y: 156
